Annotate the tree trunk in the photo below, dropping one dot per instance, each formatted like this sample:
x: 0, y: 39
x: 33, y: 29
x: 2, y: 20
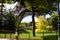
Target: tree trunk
x: 33, y: 21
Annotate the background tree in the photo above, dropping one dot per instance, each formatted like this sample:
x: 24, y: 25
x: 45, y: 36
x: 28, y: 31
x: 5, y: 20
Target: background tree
x: 53, y: 20
x: 23, y: 27
x: 29, y: 26
x: 10, y: 22
x: 48, y: 21
x: 1, y: 12
x: 40, y: 25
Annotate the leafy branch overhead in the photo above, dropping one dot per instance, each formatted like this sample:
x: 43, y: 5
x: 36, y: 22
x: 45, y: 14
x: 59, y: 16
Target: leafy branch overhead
x: 42, y: 5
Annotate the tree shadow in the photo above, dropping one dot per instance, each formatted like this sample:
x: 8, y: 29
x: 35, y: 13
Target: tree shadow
x: 50, y: 37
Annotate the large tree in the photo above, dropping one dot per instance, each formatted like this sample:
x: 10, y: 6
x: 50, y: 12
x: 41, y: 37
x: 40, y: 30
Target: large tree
x: 43, y: 6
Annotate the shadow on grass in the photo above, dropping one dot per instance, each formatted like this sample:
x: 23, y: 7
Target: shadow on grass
x: 28, y: 39
x: 50, y: 37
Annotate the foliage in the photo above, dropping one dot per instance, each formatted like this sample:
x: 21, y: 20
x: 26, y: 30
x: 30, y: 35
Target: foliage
x: 23, y: 25
x: 17, y: 20
x: 10, y: 22
x: 53, y: 20
x: 9, y: 1
x: 30, y: 23
x: 23, y: 28
x: 42, y: 25
x: 48, y: 27
x: 6, y: 1
x: 48, y: 21
x: 43, y: 6
x: 2, y: 1
x: 29, y: 26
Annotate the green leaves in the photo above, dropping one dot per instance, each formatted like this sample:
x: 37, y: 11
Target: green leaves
x: 53, y: 20
x: 6, y: 1
x: 21, y: 2
x: 43, y: 6
x: 2, y: 1
x: 17, y: 21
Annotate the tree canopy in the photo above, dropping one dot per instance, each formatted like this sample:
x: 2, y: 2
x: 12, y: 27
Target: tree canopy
x: 53, y: 20
x: 43, y: 6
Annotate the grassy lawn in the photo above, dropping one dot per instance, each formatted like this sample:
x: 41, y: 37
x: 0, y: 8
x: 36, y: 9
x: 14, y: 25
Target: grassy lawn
x: 45, y: 36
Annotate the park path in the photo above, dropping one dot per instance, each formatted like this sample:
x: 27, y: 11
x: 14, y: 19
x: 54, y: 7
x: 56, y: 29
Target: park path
x: 4, y: 39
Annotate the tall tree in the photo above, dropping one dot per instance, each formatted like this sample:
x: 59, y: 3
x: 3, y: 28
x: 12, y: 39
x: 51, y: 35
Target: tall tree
x: 43, y: 6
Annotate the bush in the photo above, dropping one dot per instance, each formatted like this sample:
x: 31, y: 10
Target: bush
x: 38, y: 30
x: 48, y: 27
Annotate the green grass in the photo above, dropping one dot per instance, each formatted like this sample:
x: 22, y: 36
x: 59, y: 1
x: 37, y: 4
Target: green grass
x: 2, y: 35
x: 46, y: 36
